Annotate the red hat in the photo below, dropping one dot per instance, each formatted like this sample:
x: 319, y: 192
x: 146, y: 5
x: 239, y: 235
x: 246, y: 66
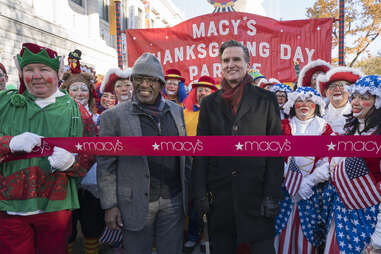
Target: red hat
x: 264, y: 82
x: 191, y: 99
x: 111, y: 77
x: 174, y: 74
x: 308, y: 71
x: 205, y: 81
x: 336, y: 74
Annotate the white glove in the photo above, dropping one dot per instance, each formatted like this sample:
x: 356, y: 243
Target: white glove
x: 376, y: 236
x: 320, y: 174
x: 305, y: 190
x: 61, y: 159
x: 24, y: 142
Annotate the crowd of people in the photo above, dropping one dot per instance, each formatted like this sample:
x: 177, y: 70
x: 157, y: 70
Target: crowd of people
x: 134, y: 204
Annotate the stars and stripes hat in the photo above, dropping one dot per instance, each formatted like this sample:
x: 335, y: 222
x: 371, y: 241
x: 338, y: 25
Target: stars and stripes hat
x: 369, y: 84
x: 303, y: 93
x: 281, y: 87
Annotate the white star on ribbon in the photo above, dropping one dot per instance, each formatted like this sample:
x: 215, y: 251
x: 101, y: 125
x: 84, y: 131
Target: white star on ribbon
x: 238, y: 146
x: 331, y: 147
x: 155, y: 146
x: 78, y: 146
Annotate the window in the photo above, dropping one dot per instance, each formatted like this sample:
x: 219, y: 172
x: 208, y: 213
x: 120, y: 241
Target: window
x: 103, y: 9
x: 123, y: 15
x: 79, y: 2
x: 140, y: 18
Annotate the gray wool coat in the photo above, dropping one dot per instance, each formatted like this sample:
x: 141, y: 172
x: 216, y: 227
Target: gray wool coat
x: 124, y: 181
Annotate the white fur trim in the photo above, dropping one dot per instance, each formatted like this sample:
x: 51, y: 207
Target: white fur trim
x: 315, y: 128
x: 126, y: 73
x: 324, y: 78
x: 274, y: 81
x: 308, y: 67
x: 262, y: 80
x: 310, y: 95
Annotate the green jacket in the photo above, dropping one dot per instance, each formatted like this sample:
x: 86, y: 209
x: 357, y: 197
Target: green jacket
x: 29, y: 185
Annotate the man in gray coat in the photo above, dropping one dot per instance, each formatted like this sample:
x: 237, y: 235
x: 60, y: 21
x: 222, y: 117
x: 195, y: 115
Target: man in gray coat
x: 146, y: 197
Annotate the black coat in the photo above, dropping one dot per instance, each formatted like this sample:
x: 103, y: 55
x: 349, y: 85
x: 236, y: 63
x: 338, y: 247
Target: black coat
x: 249, y: 179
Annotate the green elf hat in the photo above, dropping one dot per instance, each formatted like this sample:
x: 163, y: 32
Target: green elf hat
x: 33, y: 53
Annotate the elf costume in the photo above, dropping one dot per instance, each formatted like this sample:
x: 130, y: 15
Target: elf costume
x: 35, y: 197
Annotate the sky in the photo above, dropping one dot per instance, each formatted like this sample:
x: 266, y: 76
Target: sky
x: 277, y: 9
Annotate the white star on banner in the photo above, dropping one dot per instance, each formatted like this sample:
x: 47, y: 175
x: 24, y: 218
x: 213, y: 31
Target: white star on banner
x: 78, y: 146
x: 238, y: 146
x: 331, y: 147
x: 155, y: 146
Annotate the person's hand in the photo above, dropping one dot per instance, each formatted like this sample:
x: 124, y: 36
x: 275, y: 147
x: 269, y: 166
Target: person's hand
x: 305, y: 190
x: 113, y: 218
x: 201, y: 206
x: 269, y: 208
x: 61, y: 159
x: 24, y: 142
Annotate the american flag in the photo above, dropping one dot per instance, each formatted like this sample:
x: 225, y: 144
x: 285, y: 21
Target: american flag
x: 293, y: 178
x: 351, y: 230
x: 355, y: 184
x: 297, y: 226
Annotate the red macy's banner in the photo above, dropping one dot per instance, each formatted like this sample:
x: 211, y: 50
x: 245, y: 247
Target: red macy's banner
x: 192, y: 46
x: 276, y: 146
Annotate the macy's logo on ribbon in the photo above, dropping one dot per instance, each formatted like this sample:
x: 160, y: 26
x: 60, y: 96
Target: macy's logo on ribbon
x: 100, y: 146
x: 45, y: 147
x: 179, y: 146
x: 264, y: 146
x: 355, y: 146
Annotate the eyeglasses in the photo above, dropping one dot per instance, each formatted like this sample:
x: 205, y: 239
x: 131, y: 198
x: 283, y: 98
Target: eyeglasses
x: 334, y: 86
x: 139, y: 79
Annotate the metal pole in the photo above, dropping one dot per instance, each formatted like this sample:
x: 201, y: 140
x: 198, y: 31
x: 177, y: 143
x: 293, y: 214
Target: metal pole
x: 341, y: 32
x: 118, y: 34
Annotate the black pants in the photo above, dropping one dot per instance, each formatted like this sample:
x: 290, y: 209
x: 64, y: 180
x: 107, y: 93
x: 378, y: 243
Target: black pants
x: 90, y: 215
x: 223, y: 229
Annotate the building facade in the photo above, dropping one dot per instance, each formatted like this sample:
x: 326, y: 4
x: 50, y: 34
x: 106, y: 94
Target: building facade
x: 65, y: 25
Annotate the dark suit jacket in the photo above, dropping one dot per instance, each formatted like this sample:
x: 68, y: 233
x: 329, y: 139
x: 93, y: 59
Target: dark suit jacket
x: 249, y: 179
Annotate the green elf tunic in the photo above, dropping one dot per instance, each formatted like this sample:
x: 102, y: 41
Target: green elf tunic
x: 30, y: 185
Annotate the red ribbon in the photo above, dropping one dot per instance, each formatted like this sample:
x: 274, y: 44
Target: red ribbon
x: 272, y: 146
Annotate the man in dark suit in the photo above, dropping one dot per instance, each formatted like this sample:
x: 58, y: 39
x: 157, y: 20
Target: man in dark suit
x: 240, y: 194
x: 146, y: 197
